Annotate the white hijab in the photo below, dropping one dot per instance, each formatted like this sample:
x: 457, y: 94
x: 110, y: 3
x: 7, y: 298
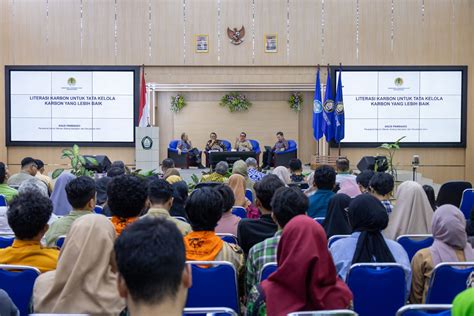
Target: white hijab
x: 282, y: 173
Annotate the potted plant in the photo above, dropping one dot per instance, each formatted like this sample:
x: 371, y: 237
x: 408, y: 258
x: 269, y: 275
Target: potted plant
x: 391, y: 149
x: 77, y: 161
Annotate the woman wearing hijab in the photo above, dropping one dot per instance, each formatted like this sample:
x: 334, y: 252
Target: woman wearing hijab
x: 240, y: 167
x: 450, y: 245
x: 337, y: 221
x: 61, y: 205
x: 180, y: 195
x: 237, y: 184
x: 350, y: 187
x: 412, y: 214
x: 282, y: 173
x: 368, y: 218
x: 85, y: 280
x: 305, y: 280
x: 171, y: 172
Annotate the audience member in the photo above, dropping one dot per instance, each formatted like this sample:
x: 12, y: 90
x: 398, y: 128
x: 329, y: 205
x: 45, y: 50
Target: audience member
x: 252, y: 168
x: 81, y: 195
x: 228, y: 222
x: 412, y: 213
x: 343, y: 170
x: 102, y: 183
x: 381, y: 186
x: 215, y: 144
x: 44, y: 177
x: 242, y: 144
x: 166, y: 164
x: 160, y: 196
x: 237, y: 184
x: 450, y: 245
x: 219, y: 174
x: 463, y: 304
x: 366, y: 244
x: 85, y: 281
x: 240, y: 167
x: 153, y: 276
x: 180, y: 195
x: 337, y: 220
x: 253, y: 231
x: 61, y: 205
x: 185, y: 146
x: 311, y: 187
x: 286, y: 204
x: 28, y: 217
x: 204, y: 209
x: 430, y: 194
x: 349, y: 187
x: 305, y: 280
x: 173, y: 179
x: 5, y: 189
x: 119, y: 164
x: 363, y: 180
x: 296, y: 170
x: 269, y: 154
x: 7, y: 307
x: 33, y: 185
x: 324, y: 181
x: 127, y: 196
x: 283, y: 174
x: 28, y: 171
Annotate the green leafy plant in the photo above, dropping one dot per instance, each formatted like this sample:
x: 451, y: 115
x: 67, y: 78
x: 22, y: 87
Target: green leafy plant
x: 78, y: 163
x: 177, y: 103
x: 195, y: 181
x: 391, y: 149
x: 296, y: 101
x: 235, y: 102
x: 143, y: 173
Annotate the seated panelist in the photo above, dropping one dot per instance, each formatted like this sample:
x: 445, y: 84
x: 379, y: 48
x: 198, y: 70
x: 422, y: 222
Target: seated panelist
x: 242, y: 144
x: 185, y: 146
x: 215, y: 144
x: 280, y: 145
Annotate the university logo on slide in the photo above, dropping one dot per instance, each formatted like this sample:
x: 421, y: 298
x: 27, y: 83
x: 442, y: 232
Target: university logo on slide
x: 317, y: 107
x: 71, y: 81
x: 329, y: 106
x: 398, y: 81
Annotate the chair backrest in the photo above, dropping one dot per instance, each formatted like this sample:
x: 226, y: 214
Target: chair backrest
x: 337, y: 312
x: 3, y: 200
x: 377, y: 287
x: 467, y: 202
x: 267, y: 269
x: 6, y: 242
x: 207, y: 185
x: 448, y: 280
x: 239, y: 211
x: 227, y: 144
x: 228, y: 238
x: 99, y: 209
x: 292, y: 145
x: 18, y: 282
x: 209, y: 311
x: 173, y: 144
x: 413, y: 243
x: 60, y: 241
x: 451, y: 192
x: 214, y: 285
x: 255, y: 145
x: 320, y: 220
x: 249, y: 195
x: 300, y: 185
x: 335, y: 238
x: 425, y: 310
x: 181, y: 218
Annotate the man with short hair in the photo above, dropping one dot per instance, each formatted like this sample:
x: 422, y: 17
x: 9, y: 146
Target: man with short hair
x: 242, y: 144
x: 343, y: 170
x: 280, y: 145
x: 215, y: 144
x: 160, y: 196
x: 324, y: 181
x: 253, y: 231
x: 153, y: 276
x: 43, y: 177
x: 28, y: 217
x: 286, y: 204
x: 381, y: 186
x: 29, y: 168
x: 5, y: 189
x: 81, y: 194
x: 252, y: 168
x: 363, y: 180
x: 219, y: 174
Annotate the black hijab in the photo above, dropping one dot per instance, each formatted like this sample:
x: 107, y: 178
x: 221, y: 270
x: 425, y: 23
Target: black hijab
x: 337, y: 221
x: 368, y: 216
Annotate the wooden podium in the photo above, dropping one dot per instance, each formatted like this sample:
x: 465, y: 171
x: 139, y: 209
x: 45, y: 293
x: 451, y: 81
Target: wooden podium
x: 319, y: 160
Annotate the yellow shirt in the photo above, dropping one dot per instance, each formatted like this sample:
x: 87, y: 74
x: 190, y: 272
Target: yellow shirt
x: 30, y: 253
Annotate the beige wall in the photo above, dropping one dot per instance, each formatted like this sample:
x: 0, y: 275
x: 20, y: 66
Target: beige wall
x: 117, y: 32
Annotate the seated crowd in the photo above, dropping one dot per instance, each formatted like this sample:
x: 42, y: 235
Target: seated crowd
x: 132, y: 261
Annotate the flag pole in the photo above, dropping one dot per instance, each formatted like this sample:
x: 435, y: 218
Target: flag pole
x: 317, y: 141
x: 329, y: 142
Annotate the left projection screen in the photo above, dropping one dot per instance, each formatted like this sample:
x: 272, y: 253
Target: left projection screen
x: 93, y: 106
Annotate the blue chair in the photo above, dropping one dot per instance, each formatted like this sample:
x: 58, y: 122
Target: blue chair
x: 209, y: 311
x: 256, y: 149
x: 320, y: 220
x: 249, y: 195
x: 467, y: 202
x: 413, y: 243
x: 425, y: 310
x: 267, y: 269
x: 282, y: 158
x: 6, y: 242
x: 227, y: 144
x: 180, y: 160
x: 337, y: 312
x: 448, y: 280
x: 18, y: 282
x: 335, y: 238
x: 377, y: 287
x: 228, y: 238
x: 3, y: 200
x: 239, y: 211
x: 99, y: 209
x: 60, y: 241
x: 214, y: 285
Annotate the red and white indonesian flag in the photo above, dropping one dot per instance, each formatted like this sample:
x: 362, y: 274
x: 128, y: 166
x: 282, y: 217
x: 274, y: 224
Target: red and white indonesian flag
x: 144, y: 111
